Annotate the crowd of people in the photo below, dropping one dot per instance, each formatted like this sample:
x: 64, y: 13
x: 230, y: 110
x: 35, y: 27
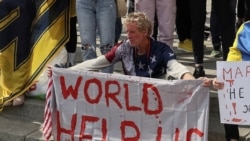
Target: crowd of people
x: 150, y: 25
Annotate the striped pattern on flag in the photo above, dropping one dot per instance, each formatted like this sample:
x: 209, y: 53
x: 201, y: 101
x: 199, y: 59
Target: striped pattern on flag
x: 47, y: 124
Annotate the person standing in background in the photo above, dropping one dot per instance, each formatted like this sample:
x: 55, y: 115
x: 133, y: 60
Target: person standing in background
x: 198, y: 18
x: 121, y: 9
x: 243, y: 12
x: 10, y: 93
x: 97, y: 15
x: 215, y: 29
x: 184, y: 30
x: 165, y: 11
x: 190, y: 21
x: 71, y: 44
x: 224, y: 14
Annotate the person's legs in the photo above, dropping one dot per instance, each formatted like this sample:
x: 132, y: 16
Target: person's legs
x: 215, y: 29
x: 166, y: 13
x: 87, y: 26
x: 232, y: 132
x: 240, y: 12
x: 183, y: 30
x: 118, y: 29
x: 71, y: 44
x: 106, y: 18
x: 225, y: 10
x: 183, y: 16
x: 198, y: 17
x: 148, y: 7
x: 247, y: 6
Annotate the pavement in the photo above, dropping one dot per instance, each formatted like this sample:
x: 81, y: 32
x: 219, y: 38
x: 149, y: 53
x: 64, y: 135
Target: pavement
x: 25, y: 123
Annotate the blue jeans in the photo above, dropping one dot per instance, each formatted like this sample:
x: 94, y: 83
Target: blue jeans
x: 96, y: 15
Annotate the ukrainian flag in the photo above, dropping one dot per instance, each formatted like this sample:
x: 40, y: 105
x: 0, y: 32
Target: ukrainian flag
x: 32, y: 32
x: 240, y: 51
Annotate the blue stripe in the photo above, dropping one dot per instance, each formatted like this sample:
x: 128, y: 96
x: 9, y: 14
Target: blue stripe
x: 244, y: 42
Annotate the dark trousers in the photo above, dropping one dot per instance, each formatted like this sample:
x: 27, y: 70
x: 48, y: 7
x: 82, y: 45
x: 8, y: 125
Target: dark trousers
x: 247, y: 6
x: 183, y: 19
x: 198, y: 18
x: 231, y: 131
x: 215, y: 28
x: 225, y: 13
x: 118, y: 29
x: 243, y: 9
x: 190, y: 21
x: 71, y: 44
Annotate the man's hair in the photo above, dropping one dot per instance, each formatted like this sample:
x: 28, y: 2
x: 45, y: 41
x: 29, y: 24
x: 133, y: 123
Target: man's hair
x: 143, y: 24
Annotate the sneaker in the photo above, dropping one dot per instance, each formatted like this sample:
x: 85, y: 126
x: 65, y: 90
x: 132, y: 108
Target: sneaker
x: 64, y: 65
x: 215, y: 53
x: 186, y: 45
x: 199, y: 72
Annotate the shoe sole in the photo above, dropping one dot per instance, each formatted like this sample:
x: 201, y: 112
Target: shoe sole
x: 184, y: 50
x: 216, y: 56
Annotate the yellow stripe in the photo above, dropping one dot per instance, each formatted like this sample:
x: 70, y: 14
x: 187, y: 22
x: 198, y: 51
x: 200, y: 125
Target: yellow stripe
x: 43, y: 8
x: 234, y: 53
x: 12, y: 16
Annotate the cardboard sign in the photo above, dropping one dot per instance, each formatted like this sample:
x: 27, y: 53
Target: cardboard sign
x: 112, y: 107
x: 234, y: 99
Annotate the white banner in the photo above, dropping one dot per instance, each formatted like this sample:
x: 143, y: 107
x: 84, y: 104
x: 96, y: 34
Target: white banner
x: 112, y: 107
x: 234, y: 99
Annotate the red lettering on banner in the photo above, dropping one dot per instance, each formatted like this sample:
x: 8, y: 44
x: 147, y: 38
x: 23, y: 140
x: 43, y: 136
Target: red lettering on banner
x: 83, y: 126
x: 247, y: 70
x: 234, y: 73
x: 61, y: 130
x: 191, y: 131
x: 159, y: 132
x: 227, y: 72
x: 70, y: 89
x: 104, y: 129
x: 145, y: 99
x: 99, y: 89
x: 128, y: 107
x: 238, y: 72
x: 33, y: 87
x: 110, y: 95
x: 177, y: 134
x: 123, y: 126
x: 133, y: 125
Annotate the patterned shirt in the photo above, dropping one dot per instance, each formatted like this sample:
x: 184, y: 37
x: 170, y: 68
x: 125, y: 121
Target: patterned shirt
x: 159, y: 62
x: 153, y: 64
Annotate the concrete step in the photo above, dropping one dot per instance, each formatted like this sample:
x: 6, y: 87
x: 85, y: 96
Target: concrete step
x: 23, y: 123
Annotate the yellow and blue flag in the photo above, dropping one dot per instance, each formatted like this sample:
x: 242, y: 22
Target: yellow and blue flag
x: 240, y: 51
x: 31, y: 33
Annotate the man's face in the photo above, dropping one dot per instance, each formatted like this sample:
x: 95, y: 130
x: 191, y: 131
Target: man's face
x: 134, y: 35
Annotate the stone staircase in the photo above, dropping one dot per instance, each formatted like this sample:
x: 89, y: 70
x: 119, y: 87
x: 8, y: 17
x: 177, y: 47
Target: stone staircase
x: 22, y: 123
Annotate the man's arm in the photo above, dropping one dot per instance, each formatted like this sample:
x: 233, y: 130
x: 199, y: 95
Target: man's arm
x: 96, y: 64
